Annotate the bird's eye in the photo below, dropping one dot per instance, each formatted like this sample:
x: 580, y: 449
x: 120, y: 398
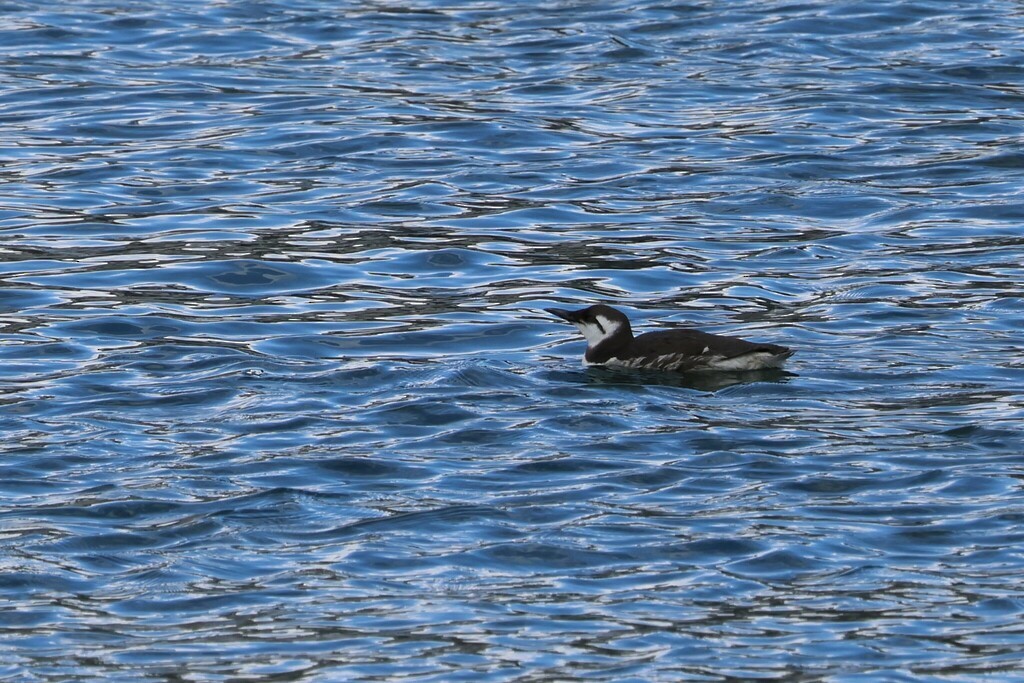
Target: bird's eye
x: 599, y: 326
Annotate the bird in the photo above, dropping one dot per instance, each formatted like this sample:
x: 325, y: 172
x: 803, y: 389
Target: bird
x: 610, y: 342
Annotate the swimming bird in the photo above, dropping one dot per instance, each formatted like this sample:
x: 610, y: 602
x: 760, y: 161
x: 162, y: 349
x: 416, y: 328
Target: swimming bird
x: 610, y: 342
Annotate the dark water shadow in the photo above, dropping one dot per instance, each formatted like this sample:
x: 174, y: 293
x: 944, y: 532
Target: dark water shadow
x: 697, y: 381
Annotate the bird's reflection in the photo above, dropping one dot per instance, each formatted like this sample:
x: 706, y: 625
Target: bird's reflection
x: 698, y: 381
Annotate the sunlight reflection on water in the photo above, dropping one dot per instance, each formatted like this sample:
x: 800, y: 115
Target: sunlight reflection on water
x: 280, y: 398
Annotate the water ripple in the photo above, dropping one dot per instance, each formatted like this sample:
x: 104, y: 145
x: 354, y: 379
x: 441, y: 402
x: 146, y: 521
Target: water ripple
x: 279, y: 399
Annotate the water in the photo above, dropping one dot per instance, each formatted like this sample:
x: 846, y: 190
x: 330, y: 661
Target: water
x: 280, y: 400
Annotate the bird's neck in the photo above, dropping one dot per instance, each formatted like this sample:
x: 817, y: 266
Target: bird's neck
x: 608, y: 347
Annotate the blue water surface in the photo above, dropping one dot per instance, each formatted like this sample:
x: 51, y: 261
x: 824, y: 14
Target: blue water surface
x: 279, y: 400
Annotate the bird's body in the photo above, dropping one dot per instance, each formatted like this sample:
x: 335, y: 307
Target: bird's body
x: 610, y: 342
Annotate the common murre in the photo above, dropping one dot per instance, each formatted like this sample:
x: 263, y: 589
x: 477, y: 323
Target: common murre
x: 610, y: 342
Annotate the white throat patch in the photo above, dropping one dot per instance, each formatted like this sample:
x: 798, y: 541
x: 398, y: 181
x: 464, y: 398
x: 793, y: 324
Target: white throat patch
x: 593, y: 332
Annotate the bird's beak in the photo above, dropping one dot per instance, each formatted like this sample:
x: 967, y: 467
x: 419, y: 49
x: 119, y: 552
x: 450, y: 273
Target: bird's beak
x: 568, y: 316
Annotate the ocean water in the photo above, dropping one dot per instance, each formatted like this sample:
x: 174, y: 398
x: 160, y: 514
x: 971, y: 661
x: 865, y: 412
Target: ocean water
x: 279, y: 400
